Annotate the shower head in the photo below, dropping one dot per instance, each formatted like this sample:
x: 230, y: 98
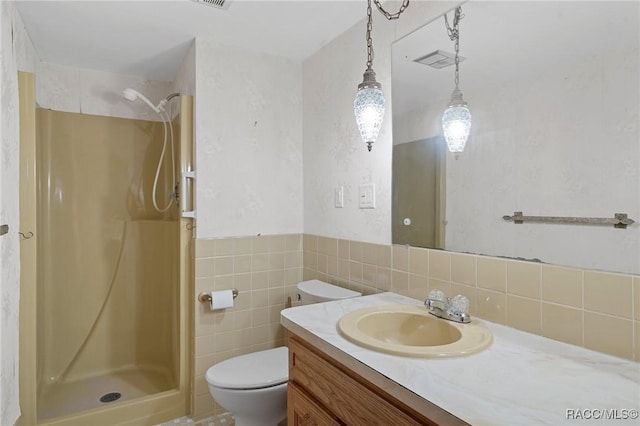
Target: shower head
x: 131, y: 95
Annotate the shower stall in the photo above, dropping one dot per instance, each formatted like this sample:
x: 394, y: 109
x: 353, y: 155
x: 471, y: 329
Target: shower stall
x: 104, y: 335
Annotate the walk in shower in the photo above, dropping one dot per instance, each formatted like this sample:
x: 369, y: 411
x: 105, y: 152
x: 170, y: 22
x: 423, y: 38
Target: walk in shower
x: 108, y: 311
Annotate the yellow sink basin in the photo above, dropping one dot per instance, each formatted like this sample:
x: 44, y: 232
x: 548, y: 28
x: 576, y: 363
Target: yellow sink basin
x: 412, y: 331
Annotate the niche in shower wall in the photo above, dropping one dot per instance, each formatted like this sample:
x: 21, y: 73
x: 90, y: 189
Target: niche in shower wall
x: 108, y: 276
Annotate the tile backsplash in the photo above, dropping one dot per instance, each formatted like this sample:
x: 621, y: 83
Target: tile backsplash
x: 265, y: 270
x: 596, y: 310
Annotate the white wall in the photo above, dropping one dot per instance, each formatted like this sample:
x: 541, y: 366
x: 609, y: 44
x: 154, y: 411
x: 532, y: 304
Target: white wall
x: 248, y: 142
x: 17, y: 53
x: 69, y: 89
x: 185, y: 81
x: 334, y: 154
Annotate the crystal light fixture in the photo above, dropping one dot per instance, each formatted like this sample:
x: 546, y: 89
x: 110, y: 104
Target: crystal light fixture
x: 456, y: 120
x: 368, y: 106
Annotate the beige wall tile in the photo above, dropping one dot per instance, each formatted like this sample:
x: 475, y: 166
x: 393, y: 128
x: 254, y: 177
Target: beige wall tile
x: 419, y: 261
x: 276, y: 261
x: 440, y: 265
x: 223, y: 246
x: 205, y: 345
x: 369, y: 253
x: 636, y: 340
x: 523, y: 279
x: 343, y: 269
x: 242, y: 282
x: 419, y: 282
x: 309, y: 243
x: 260, y: 262
x: 355, y: 271
x: 200, y: 385
x: 322, y: 263
x: 259, y: 316
x: 204, y: 267
x: 242, y: 264
x: 223, y: 282
x: 369, y: 274
x: 343, y: 249
x: 562, y: 285
x: 242, y: 245
x: 203, y: 406
x: 636, y: 297
x: 259, y: 299
x: 355, y: 251
x: 322, y: 245
x: 332, y: 266
x: 205, y: 248
x: 276, y: 278
x: 292, y: 276
x: 293, y: 259
x: 492, y: 305
x: 562, y: 323
x: 399, y: 281
x: 310, y: 259
x: 260, y: 244
x: 204, y: 284
x: 463, y: 269
x: 383, y: 279
x: 242, y: 319
x: 276, y: 243
x: 384, y: 256
x: 491, y: 273
x: 608, y: 293
x: 223, y: 265
x: 607, y: 334
x: 293, y: 242
x: 524, y: 314
x: 259, y: 280
x: 400, y: 258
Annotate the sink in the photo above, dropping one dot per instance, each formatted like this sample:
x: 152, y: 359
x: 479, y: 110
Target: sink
x: 411, y: 331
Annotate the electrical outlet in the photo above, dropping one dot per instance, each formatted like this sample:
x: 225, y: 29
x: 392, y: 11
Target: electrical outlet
x: 368, y: 196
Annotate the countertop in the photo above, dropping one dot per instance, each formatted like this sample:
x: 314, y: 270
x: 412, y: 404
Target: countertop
x: 521, y: 379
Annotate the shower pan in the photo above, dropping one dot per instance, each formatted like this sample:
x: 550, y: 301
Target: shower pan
x: 105, y: 314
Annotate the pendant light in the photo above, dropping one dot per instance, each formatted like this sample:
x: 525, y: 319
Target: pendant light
x: 456, y: 120
x: 368, y: 106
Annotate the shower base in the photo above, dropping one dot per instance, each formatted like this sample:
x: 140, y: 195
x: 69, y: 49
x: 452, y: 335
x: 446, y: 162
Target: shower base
x: 61, y: 399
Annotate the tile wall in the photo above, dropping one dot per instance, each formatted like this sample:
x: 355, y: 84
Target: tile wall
x: 265, y: 271
x: 597, y: 310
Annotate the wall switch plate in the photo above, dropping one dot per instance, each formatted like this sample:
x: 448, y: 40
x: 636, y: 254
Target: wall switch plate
x: 338, y: 196
x: 368, y: 196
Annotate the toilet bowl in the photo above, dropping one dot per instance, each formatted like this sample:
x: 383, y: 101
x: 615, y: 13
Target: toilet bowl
x: 253, y: 387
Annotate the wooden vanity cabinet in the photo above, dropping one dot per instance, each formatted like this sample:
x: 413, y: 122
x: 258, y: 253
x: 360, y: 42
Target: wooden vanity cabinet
x: 324, y: 392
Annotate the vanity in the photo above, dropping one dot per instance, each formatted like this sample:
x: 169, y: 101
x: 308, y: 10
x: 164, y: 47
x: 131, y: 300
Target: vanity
x: 519, y: 379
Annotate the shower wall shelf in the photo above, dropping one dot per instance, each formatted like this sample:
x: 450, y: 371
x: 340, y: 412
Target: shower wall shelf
x: 620, y: 220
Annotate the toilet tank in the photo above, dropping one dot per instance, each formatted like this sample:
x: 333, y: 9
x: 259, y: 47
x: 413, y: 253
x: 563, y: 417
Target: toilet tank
x: 316, y: 291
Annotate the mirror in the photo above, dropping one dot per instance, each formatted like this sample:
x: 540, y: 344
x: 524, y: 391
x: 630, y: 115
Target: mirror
x: 554, y: 93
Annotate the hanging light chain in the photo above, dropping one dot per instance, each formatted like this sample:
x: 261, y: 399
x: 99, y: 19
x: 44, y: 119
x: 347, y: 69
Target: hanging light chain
x: 454, y: 35
x: 388, y: 15
x: 369, y: 41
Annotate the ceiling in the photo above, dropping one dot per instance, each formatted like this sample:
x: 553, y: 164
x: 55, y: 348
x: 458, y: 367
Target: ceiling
x: 504, y: 40
x: 151, y: 38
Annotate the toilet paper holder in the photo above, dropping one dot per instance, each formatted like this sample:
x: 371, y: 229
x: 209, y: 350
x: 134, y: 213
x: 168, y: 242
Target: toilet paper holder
x: 205, y: 297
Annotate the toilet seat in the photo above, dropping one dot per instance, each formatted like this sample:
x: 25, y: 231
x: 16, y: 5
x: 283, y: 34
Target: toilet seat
x: 255, y: 370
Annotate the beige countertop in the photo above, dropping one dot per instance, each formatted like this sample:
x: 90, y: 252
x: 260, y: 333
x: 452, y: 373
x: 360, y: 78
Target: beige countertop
x: 521, y: 379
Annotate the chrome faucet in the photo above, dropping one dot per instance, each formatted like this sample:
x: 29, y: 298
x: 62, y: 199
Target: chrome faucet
x: 450, y: 309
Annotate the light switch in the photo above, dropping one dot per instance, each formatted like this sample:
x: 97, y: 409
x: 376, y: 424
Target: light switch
x: 368, y: 196
x: 338, y: 196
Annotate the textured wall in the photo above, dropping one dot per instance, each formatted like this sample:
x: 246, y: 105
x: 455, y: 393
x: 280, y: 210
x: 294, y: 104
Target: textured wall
x: 68, y: 89
x: 15, y: 47
x: 334, y: 154
x: 248, y: 142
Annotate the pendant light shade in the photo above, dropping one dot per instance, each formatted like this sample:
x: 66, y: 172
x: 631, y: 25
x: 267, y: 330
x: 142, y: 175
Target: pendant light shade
x: 369, y: 107
x: 456, y: 123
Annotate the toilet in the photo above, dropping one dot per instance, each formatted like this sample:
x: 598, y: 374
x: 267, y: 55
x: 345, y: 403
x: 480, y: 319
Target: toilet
x: 253, y: 387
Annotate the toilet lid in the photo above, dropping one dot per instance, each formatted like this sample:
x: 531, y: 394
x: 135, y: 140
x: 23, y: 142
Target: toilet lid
x: 327, y: 291
x: 251, y: 371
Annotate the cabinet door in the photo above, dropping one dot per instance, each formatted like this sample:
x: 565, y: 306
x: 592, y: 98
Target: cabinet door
x: 302, y: 411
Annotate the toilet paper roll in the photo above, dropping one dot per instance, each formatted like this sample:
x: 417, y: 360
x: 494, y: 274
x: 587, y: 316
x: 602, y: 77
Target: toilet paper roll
x: 221, y: 299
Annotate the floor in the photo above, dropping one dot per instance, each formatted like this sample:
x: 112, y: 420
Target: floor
x: 71, y: 397
x: 222, y: 420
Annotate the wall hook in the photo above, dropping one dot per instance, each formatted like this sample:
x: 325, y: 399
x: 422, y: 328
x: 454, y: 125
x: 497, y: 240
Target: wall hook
x: 26, y: 236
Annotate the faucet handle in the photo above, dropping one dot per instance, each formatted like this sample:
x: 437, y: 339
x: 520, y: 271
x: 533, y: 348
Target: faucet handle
x: 460, y: 304
x: 438, y: 295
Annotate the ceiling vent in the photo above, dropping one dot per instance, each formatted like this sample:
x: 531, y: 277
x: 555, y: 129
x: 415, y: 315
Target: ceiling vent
x: 218, y: 4
x: 438, y: 59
